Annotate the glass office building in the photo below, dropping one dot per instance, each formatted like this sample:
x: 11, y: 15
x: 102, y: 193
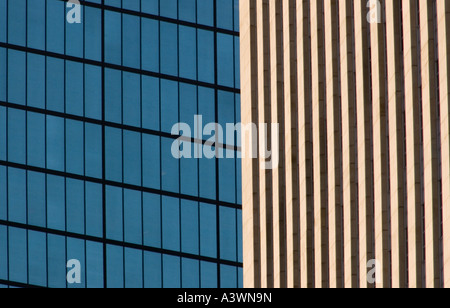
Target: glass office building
x: 86, y: 170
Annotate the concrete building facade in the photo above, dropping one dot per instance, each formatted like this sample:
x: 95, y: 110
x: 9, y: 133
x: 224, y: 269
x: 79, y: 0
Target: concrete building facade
x: 361, y: 195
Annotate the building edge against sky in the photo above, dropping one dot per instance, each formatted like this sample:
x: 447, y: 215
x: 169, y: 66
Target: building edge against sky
x: 361, y: 91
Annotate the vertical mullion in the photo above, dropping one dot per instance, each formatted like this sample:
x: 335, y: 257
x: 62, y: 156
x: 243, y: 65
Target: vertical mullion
x: 396, y: 141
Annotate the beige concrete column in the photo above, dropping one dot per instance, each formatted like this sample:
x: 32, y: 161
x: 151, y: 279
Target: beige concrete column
x: 333, y: 111
x: 349, y: 152
x: 291, y: 146
x: 443, y: 12
x: 380, y: 151
x: 319, y: 145
x: 430, y: 145
x: 396, y: 143
x: 413, y: 142
x: 250, y: 178
x: 306, y: 191
x: 365, y: 175
x: 264, y: 116
x: 278, y: 172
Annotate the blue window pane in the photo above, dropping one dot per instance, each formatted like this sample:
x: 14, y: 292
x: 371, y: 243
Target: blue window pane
x: 169, y: 105
x: 17, y: 255
x: 94, y: 206
x: 228, y: 234
x: 94, y: 265
x: 17, y: 207
x: 205, y: 56
x: 16, y: 77
x: 227, y: 178
x: 169, y: 47
x: 37, y: 258
x: 55, y: 26
x: 236, y: 15
x: 116, y: 3
x: 3, y: 76
x: 152, y: 270
x: 131, y: 4
x: 74, y: 38
x: 228, y: 277
x: 92, y: 33
x: 93, y: 92
x: 189, y: 227
x: 205, y: 12
x: 3, y: 194
x: 113, y: 37
x: 16, y: 136
x: 151, y: 161
x: 56, y: 214
x: 75, y: 206
x: 114, y: 213
x: 131, y: 41
x: 75, y: 250
x: 189, y: 172
x: 171, y: 272
x: 36, y: 201
x: 131, y: 99
x: 132, y: 157
x: 207, y: 175
x: 133, y: 216
x: 150, y: 103
x: 150, y: 44
x: 152, y: 220
x: 237, y: 63
x: 3, y: 253
x: 240, y: 278
x: 3, y: 20
x: 208, y: 231
x: 114, y: 154
x: 74, y: 147
x: 74, y: 88
x: 93, y: 150
x: 169, y: 167
x: 171, y: 223
x: 3, y: 133
x: 150, y: 6
x: 56, y: 261
x: 190, y: 273
x: 225, y: 14
x: 113, y: 95
x: 55, y: 143
x: 186, y: 10
x: 35, y: 81
x: 168, y: 8
x: 55, y: 84
x: 36, y: 139
x: 225, y: 60
x: 16, y: 24
x: 114, y: 265
x: 188, y: 54
x: 239, y: 235
x: 208, y: 275
x: 133, y: 268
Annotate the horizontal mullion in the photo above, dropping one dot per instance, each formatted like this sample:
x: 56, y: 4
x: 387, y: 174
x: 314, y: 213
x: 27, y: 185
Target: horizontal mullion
x: 120, y: 185
x: 119, y: 68
x: 117, y: 125
x: 117, y: 243
x: 19, y: 285
x: 157, y: 17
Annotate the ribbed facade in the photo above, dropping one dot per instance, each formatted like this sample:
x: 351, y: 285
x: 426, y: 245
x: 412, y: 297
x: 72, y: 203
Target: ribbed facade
x: 361, y: 92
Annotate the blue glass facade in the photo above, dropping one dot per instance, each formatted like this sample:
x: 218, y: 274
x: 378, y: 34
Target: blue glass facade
x: 86, y: 170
